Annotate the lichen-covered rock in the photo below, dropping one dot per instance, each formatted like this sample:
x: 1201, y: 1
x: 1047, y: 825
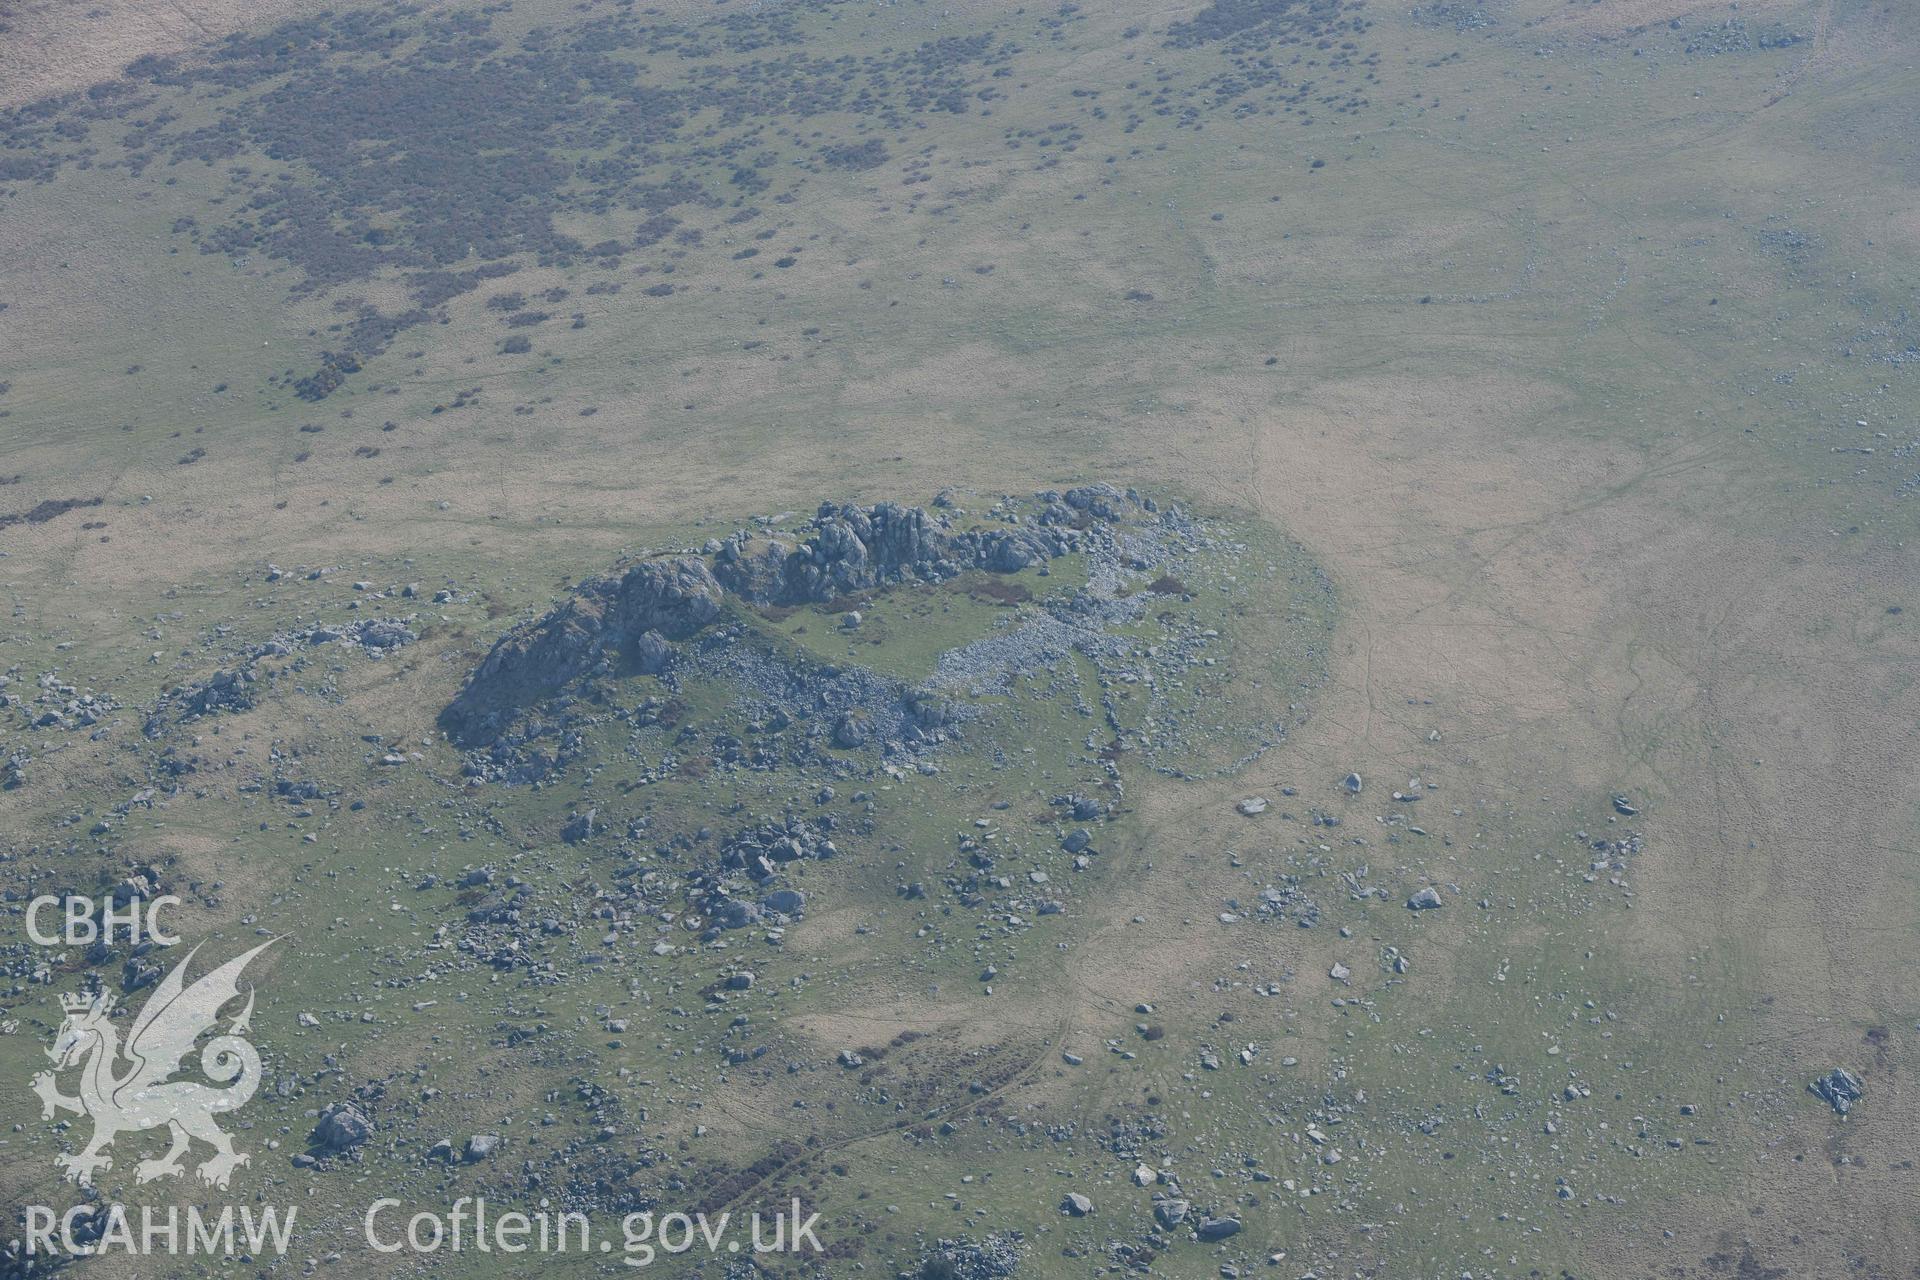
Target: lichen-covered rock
x: 733, y: 913
x: 226, y: 690
x: 852, y: 730
x: 788, y: 902
x: 651, y: 653
x: 755, y: 570
x: 383, y: 633
x: 342, y: 1126
x: 1840, y: 1088
x: 1103, y: 500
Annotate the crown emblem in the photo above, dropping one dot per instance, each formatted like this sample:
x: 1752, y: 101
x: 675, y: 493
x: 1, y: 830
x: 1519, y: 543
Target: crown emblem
x: 76, y: 1002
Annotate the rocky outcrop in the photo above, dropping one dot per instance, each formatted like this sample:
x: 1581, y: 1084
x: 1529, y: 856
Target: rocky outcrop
x: 755, y: 569
x: 222, y: 691
x: 1840, y: 1088
x: 607, y: 621
x: 629, y: 622
x: 855, y: 548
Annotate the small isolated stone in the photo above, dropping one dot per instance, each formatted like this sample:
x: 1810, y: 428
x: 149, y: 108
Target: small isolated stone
x: 1076, y: 1205
x: 1352, y: 782
x: 1212, y: 1229
x: 1425, y: 900
x: 480, y: 1147
x: 1339, y: 972
x: 579, y: 827
x: 1252, y: 805
x: 1145, y: 1175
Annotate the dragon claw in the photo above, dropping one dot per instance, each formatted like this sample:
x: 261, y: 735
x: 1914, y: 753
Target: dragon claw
x: 217, y: 1171
x: 81, y: 1168
x: 52, y: 1101
x: 149, y: 1170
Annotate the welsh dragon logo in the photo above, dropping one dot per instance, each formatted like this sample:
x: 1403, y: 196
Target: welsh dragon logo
x: 141, y: 1097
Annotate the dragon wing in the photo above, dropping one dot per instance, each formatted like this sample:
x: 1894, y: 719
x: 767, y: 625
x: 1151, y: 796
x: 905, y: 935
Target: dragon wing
x: 176, y: 1014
